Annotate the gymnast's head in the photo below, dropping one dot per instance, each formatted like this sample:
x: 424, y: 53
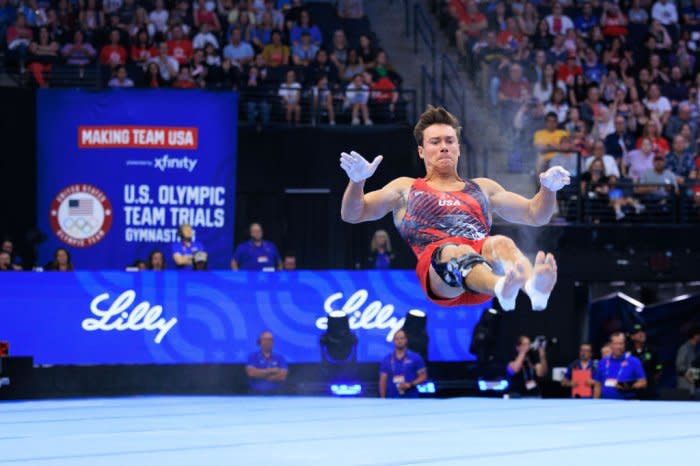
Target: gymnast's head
x: 437, y: 135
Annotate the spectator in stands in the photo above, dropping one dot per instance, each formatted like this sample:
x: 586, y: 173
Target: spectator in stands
x: 43, y: 54
x: 558, y: 22
x: 613, y: 21
x: 5, y: 262
x: 304, y: 52
x: 350, y: 9
x: 181, y: 16
x: 566, y: 157
x: 78, y: 53
x: 261, y: 34
x: 274, y: 13
x: 266, y: 370
x: 591, y: 107
x: 305, y: 26
x: 156, y: 261
x: 513, y: 91
x: 18, y: 38
x: 383, y: 96
x: 121, y: 78
x: 339, y: 50
x: 557, y: 104
x: 675, y: 89
x: 167, y: 65
x: 142, y: 49
x: 688, y: 355
x: 113, y: 54
x: 595, y: 187
x: 585, y: 22
x: 180, y: 47
x: 636, y: 14
x: 558, y: 52
x: 569, y: 70
x: 665, y: 12
x: 691, y: 16
x: 186, y: 247
x: 184, y: 78
x: 92, y: 20
x: 380, y: 251
x: 679, y: 160
x: 652, y: 131
x: 526, y: 369
x: 383, y: 69
x: 289, y: 263
x: 603, y: 124
x: 471, y: 23
x: 579, y: 374
x: 139, y: 265
x: 205, y: 36
x: 638, y: 161
x: 657, y: 104
x: 240, y: 53
x: 598, y: 151
x: 159, y: 18
x: 256, y: 89
x: 662, y: 182
x: 509, y: 38
x: 61, y: 262
x: 256, y: 253
x: 276, y: 53
x: 322, y: 101
x: 356, y: 98
x: 593, y: 70
x: 322, y: 66
x: 367, y: 52
x: 619, y: 142
x: 140, y: 22
x: 205, y: 16
x: 619, y: 375
x: 352, y: 67
x: 547, y: 141
x: 401, y: 371
x: 8, y: 247
x: 290, y: 93
x: 542, y: 40
x: 497, y: 17
x: 152, y: 77
x: 661, y: 37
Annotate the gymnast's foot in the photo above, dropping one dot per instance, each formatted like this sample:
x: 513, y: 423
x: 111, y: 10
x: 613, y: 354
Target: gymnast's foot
x: 507, y: 286
x: 541, y: 284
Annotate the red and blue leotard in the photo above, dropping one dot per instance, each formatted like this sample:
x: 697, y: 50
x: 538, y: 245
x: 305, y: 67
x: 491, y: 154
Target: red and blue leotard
x: 434, y: 218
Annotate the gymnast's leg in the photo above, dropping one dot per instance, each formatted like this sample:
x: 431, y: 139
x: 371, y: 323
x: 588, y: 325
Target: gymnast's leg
x: 540, y: 279
x: 476, y: 276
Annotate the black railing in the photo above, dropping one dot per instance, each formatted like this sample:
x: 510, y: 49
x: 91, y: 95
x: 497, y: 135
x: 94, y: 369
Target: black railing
x: 423, y: 29
x: 625, y: 201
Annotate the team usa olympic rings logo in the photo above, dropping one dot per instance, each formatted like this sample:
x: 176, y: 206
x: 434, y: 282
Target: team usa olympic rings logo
x: 81, y: 215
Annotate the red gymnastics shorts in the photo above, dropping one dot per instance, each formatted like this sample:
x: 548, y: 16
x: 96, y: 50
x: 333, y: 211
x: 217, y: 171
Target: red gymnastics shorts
x: 423, y: 272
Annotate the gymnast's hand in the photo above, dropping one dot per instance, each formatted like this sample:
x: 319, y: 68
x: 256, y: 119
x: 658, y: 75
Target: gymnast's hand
x: 555, y: 178
x: 357, y: 168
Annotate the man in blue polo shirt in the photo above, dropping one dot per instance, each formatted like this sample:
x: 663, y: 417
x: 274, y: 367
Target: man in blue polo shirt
x: 401, y: 371
x: 266, y: 370
x: 620, y: 375
x: 186, y: 248
x: 256, y: 253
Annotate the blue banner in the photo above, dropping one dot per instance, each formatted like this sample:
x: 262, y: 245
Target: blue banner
x: 215, y: 317
x: 120, y: 170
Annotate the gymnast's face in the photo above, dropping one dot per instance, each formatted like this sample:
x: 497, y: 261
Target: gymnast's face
x: 440, y: 149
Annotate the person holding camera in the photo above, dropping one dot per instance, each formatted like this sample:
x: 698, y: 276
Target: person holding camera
x: 687, y: 360
x: 619, y: 376
x: 529, y: 366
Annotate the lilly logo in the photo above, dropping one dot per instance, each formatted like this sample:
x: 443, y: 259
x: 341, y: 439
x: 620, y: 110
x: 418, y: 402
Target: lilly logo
x: 118, y: 317
x: 375, y: 315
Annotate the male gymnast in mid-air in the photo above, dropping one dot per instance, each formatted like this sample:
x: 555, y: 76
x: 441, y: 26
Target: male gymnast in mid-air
x: 446, y: 220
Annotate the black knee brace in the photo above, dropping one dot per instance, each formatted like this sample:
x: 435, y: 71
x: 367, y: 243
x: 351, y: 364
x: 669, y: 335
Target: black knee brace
x: 455, y: 271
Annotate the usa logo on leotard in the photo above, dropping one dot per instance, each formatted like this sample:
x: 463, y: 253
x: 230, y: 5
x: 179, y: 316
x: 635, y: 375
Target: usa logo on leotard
x: 434, y: 215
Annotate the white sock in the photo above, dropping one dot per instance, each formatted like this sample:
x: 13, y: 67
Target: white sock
x: 507, y: 304
x: 537, y: 298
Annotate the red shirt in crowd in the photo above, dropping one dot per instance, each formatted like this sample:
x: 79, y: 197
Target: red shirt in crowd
x: 142, y: 53
x: 180, y: 50
x: 564, y: 72
x: 514, y: 90
x: 113, y: 55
